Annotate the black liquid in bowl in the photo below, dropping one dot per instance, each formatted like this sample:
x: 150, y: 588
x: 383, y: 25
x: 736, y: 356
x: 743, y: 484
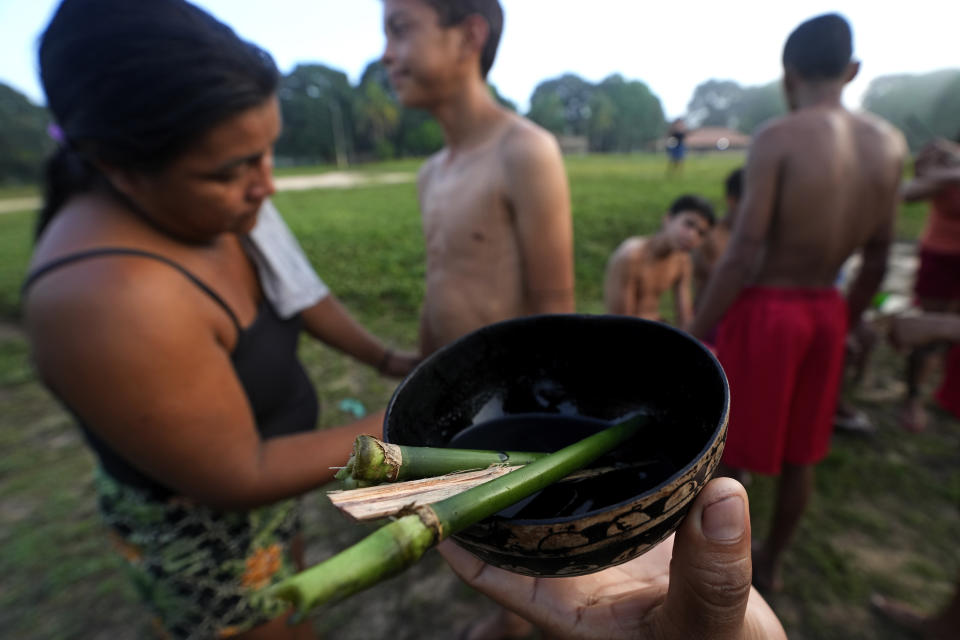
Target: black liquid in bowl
x: 558, y: 379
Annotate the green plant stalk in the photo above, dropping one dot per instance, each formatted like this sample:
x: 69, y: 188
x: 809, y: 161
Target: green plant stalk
x: 398, y: 545
x: 374, y: 461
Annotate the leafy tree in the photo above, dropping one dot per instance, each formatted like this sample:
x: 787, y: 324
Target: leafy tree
x: 759, y: 104
x: 317, y: 104
x: 636, y: 114
x: 602, y: 125
x: 945, y: 114
x: 547, y: 111
x: 24, y: 143
x: 421, y: 135
x: 562, y: 105
x: 615, y: 115
x: 714, y: 104
x: 724, y: 103
x: 922, y: 106
x: 377, y: 118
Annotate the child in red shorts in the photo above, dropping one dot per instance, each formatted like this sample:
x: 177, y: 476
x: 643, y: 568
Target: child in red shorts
x: 937, y: 286
x: 935, y: 328
x: 820, y: 183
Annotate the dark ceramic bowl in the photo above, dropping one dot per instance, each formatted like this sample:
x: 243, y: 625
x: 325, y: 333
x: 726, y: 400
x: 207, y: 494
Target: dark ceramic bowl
x: 560, y: 378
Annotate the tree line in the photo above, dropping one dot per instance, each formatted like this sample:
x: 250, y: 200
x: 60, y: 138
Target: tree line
x: 328, y: 120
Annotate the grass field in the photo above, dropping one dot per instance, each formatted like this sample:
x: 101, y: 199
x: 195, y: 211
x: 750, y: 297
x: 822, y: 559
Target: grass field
x: 884, y: 517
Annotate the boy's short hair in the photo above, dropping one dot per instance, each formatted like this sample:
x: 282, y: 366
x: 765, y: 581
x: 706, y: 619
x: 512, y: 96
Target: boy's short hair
x: 820, y: 48
x: 696, y: 204
x: 733, y: 185
x: 453, y: 12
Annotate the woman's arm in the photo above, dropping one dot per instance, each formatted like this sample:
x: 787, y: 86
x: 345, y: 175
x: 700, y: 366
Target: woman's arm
x: 142, y: 356
x: 329, y: 322
x: 930, y: 183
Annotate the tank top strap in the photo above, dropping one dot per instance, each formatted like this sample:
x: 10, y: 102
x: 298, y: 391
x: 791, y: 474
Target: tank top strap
x: 71, y: 258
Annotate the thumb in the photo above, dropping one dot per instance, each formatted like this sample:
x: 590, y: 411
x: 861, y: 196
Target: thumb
x: 711, y: 569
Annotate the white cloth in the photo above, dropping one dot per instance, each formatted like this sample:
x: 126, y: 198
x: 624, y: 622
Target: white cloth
x: 288, y: 280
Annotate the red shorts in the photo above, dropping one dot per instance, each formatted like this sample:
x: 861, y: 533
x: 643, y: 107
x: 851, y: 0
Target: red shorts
x: 938, y: 277
x: 948, y: 395
x: 783, y: 351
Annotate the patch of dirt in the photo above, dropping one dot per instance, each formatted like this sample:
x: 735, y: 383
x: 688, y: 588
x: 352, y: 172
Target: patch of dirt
x: 332, y: 180
x: 340, y: 180
x: 10, y: 331
x: 13, y: 205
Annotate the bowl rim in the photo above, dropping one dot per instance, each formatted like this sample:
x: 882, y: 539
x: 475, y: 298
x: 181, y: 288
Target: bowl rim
x: 715, y: 433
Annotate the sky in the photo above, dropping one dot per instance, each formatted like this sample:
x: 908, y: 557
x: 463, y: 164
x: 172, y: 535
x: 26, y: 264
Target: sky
x: 671, y: 46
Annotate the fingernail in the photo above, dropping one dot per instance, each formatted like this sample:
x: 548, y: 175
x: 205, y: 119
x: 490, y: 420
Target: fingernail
x: 724, y: 521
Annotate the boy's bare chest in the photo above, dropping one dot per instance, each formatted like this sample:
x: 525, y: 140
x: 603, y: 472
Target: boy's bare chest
x: 465, y: 209
x: 653, y: 277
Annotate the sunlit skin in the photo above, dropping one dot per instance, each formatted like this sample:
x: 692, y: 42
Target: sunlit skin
x: 819, y: 184
x: 494, y: 202
x: 152, y: 375
x: 643, y: 269
x: 805, y: 182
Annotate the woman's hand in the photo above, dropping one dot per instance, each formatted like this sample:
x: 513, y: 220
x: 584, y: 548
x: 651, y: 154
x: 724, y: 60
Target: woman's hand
x: 397, y: 364
x: 693, y: 585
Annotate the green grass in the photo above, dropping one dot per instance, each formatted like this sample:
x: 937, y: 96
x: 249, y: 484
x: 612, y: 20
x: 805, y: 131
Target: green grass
x: 884, y: 517
x: 16, y: 243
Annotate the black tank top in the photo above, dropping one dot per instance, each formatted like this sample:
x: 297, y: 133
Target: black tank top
x: 265, y: 358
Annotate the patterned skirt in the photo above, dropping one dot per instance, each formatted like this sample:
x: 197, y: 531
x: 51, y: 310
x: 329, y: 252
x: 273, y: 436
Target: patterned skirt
x: 201, y: 571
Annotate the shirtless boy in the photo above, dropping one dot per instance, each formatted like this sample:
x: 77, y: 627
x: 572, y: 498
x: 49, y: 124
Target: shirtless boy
x: 937, y: 286
x: 494, y: 201
x: 820, y: 183
x: 642, y: 269
x: 708, y: 255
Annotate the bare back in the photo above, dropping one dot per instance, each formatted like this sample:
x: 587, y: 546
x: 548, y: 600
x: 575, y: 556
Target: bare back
x: 496, y: 220
x: 831, y: 178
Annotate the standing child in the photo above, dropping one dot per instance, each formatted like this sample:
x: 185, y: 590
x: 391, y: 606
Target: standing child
x: 494, y: 201
x: 820, y: 183
x: 676, y: 148
x: 937, y: 287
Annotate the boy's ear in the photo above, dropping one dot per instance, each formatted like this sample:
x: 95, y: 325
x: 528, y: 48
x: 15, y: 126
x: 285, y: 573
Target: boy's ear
x: 853, y: 68
x: 475, y: 30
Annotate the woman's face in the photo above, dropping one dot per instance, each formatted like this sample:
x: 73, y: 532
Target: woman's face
x: 218, y: 185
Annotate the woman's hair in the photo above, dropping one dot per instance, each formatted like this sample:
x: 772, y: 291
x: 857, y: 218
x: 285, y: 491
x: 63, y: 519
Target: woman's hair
x: 132, y: 84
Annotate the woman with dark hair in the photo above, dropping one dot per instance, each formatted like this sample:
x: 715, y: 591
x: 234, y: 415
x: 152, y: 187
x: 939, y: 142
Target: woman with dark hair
x: 149, y: 322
